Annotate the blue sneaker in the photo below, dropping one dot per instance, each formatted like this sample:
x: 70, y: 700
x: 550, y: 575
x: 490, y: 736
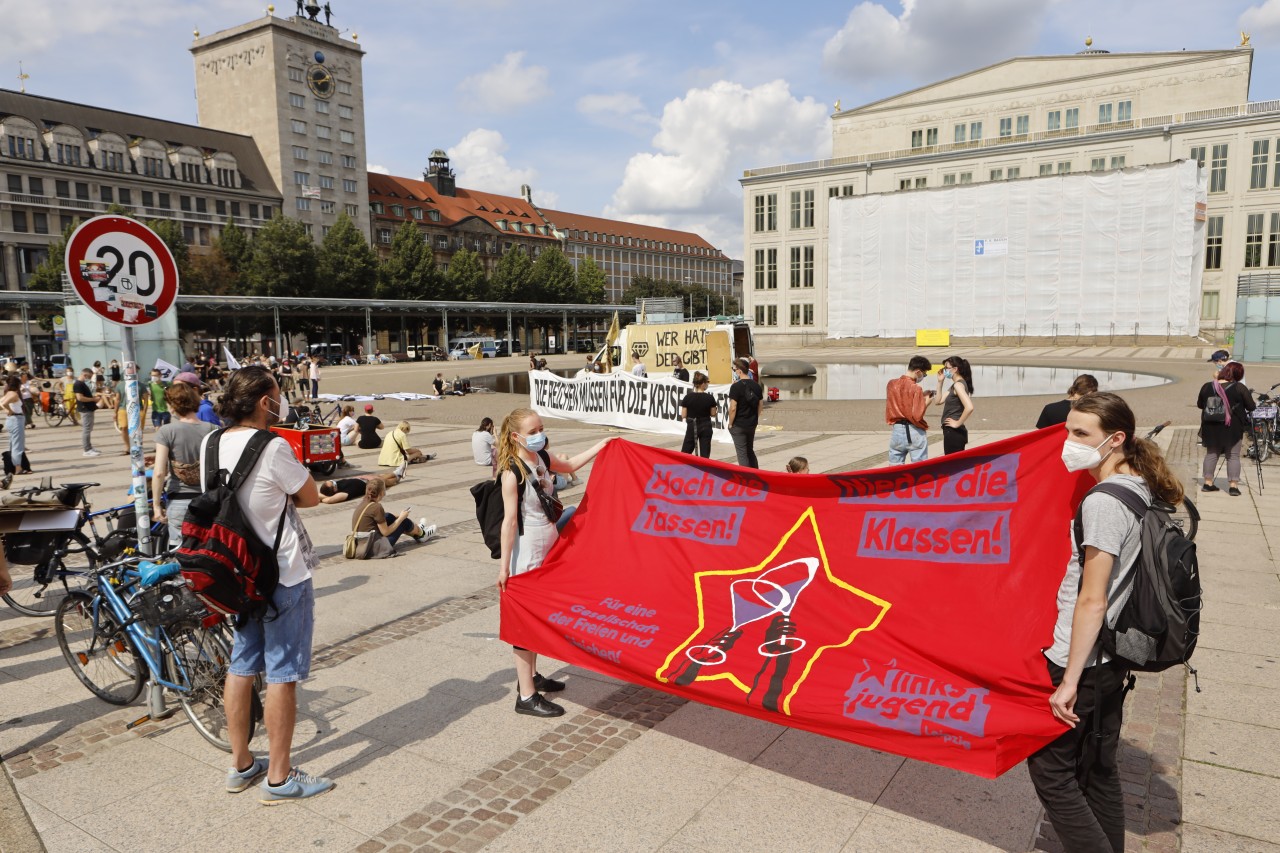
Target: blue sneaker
x: 298, y: 786
x: 237, y: 781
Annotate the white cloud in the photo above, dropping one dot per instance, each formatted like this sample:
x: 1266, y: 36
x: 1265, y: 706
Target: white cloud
x: 1262, y: 20
x: 481, y: 163
x: 508, y: 85
x: 381, y: 170
x: 931, y: 37
x: 704, y: 142
x: 621, y: 110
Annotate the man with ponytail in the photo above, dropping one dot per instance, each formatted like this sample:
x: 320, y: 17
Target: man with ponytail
x: 1076, y: 776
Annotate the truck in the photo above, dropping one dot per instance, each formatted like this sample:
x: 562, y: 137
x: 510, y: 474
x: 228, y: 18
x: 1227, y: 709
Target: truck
x: 708, y: 345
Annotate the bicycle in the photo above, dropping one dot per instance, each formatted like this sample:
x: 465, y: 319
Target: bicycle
x: 1184, y: 514
x: 1264, y: 426
x: 62, y: 560
x: 57, y: 411
x: 134, y: 632
x: 315, y: 416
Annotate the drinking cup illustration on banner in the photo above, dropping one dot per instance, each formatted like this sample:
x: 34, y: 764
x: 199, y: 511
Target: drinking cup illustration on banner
x: 771, y: 593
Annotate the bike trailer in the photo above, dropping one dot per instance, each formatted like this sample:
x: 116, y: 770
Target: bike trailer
x: 316, y: 447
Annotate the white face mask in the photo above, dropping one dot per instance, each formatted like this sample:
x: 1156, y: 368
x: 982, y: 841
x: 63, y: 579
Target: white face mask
x: 1082, y: 457
x: 283, y: 415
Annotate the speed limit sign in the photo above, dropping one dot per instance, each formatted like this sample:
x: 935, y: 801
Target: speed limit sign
x: 122, y: 270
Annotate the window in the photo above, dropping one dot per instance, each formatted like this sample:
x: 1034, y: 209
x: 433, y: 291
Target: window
x: 64, y: 222
x: 40, y: 222
x: 1117, y: 162
x: 771, y: 315
x: 1006, y: 127
x: 20, y: 221
x: 1209, y: 305
x: 997, y: 174
x: 416, y: 213
x: 1104, y: 113
x: 771, y: 269
x: 920, y: 182
x: 351, y: 210
x: 126, y: 196
x: 1273, y: 245
x: 68, y: 155
x: 301, y: 179
x: 82, y: 191
x: 917, y: 140
x: 795, y: 266
x: 298, y: 125
x: 1064, y: 167
x: 348, y: 161
x: 299, y: 152
x: 113, y: 161
x: 433, y: 215
x: 1124, y: 111
x: 795, y: 208
x: 397, y: 210
x: 226, y: 177
x: 184, y: 202
x: 1073, y: 118
x: 1046, y: 169
x: 1197, y: 154
x: 806, y: 219
x: 235, y: 208
x: 296, y: 75
x: 304, y: 204
x: 376, y: 207
x: 904, y: 183
x: 1098, y: 164
x: 106, y: 195
x: 322, y: 107
x: 931, y: 136
x: 253, y: 211
x: 344, y: 87
x: 1218, y: 170
x: 324, y: 158
x: 153, y: 167
x: 1024, y: 125
x: 326, y: 182
x: 975, y: 131
x: 21, y: 147
x: 323, y: 132
x: 795, y: 315
x: 192, y: 173
x: 949, y: 180
x: 966, y: 177
x: 148, y: 198
x: 220, y: 207
x: 959, y: 133
x: 766, y: 218
x: 347, y: 136
x: 759, y: 270
x: 1261, y: 158
x: 1253, y: 241
x: 846, y: 190
x: 806, y: 277
x: 202, y: 205
x: 296, y: 100
x: 345, y: 111
x: 328, y: 207
x: 34, y: 184
x: 348, y: 185
x: 1055, y: 120
x: 1014, y: 172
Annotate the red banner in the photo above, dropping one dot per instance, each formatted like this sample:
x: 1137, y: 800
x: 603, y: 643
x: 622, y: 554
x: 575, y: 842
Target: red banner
x: 903, y: 609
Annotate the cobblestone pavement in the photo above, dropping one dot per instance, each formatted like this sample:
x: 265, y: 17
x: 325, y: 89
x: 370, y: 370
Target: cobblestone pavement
x: 409, y: 708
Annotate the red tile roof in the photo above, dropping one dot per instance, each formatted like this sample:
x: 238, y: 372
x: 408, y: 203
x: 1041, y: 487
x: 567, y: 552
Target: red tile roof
x: 466, y: 204
x: 616, y: 227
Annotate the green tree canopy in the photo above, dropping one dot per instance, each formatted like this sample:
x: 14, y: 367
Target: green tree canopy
x: 592, y: 285
x: 553, y: 278
x: 48, y: 276
x: 235, y: 246
x: 410, y: 271
x: 171, y: 233
x: 283, y: 261
x: 465, y: 278
x: 345, y: 265
x: 512, y: 279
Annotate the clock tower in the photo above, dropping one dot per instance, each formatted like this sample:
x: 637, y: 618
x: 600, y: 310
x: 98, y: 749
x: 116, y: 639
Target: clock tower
x: 296, y: 86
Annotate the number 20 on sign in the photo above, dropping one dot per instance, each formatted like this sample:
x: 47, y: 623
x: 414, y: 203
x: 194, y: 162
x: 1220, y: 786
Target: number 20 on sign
x: 122, y: 270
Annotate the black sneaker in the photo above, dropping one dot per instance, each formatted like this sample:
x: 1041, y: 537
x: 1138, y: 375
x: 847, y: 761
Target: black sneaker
x: 1209, y: 488
x: 546, y: 685
x: 536, y: 706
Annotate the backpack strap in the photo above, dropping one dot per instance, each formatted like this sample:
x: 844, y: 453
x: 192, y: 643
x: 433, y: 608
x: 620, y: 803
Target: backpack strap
x: 249, y: 457
x: 1131, y: 499
x: 211, y: 459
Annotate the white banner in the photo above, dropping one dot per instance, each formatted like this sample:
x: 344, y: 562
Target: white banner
x: 232, y: 364
x: 167, y: 370
x: 620, y: 399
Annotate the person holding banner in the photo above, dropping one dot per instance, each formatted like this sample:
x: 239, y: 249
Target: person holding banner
x: 1076, y: 776
x: 697, y: 410
x: 526, y: 470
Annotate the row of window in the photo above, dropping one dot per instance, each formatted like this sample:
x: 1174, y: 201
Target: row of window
x: 638, y: 242
x: 1021, y: 125
x: 324, y: 158
x: 69, y: 154
x: 322, y: 106
x: 297, y: 75
x: 323, y: 131
x: 303, y: 179
x: 801, y: 268
x: 79, y: 190
x: 801, y: 315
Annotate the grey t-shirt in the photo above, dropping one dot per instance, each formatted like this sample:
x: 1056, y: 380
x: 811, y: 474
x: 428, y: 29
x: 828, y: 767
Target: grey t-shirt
x: 1108, y: 526
x: 183, y: 441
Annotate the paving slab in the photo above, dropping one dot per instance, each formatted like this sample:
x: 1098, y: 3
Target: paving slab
x: 1232, y: 801
x: 1229, y: 743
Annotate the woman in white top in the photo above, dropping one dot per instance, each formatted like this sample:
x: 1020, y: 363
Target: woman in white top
x: 347, y: 426
x: 484, y: 447
x: 16, y: 423
x: 523, y: 462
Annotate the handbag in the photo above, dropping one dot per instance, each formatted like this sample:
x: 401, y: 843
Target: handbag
x: 551, y: 506
x: 351, y: 545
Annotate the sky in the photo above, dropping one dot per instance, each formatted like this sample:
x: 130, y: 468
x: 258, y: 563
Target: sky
x: 644, y: 112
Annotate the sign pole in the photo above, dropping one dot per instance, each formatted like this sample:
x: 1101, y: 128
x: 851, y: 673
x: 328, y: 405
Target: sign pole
x: 141, y: 507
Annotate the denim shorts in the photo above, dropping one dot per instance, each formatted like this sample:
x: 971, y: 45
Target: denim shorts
x: 279, y: 644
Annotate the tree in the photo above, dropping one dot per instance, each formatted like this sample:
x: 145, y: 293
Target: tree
x: 553, y: 279
x: 513, y: 277
x: 346, y: 266
x: 465, y: 277
x: 171, y: 233
x: 592, y: 284
x: 211, y: 274
x: 409, y: 272
x: 48, y: 275
x: 235, y: 247
x: 283, y: 261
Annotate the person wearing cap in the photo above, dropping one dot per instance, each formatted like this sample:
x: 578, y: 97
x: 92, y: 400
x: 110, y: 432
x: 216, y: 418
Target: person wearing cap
x: 1219, y: 358
x: 286, y: 379
x: 189, y: 377
x: 368, y: 426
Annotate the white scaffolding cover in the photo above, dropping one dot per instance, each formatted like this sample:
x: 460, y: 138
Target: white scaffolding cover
x: 1088, y: 254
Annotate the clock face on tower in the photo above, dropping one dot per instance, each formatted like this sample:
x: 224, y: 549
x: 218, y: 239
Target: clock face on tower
x: 320, y: 81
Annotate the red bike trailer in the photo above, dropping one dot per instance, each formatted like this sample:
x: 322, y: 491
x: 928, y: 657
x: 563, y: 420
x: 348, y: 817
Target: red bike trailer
x: 317, y: 447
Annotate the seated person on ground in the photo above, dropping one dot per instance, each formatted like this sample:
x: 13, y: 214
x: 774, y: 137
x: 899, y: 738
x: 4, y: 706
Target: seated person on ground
x: 396, y: 449
x: 347, y: 427
x: 371, y: 515
x: 368, y: 425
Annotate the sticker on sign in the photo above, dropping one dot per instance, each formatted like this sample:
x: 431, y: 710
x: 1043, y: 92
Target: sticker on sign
x: 122, y: 270
x: 989, y: 246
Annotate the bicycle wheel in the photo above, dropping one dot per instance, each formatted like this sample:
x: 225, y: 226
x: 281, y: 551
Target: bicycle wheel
x: 1262, y: 440
x: 205, y: 657
x: 98, y: 651
x: 39, y: 592
x: 1186, y: 516
x: 55, y: 415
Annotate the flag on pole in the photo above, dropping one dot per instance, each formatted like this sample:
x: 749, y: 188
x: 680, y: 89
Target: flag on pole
x: 232, y: 364
x: 608, y: 343
x: 166, y: 370
x: 474, y: 351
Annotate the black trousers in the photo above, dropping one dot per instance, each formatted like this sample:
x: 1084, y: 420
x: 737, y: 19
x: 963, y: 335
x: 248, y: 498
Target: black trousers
x: 744, y: 442
x: 8, y: 463
x: 954, y: 439
x: 697, y: 431
x: 1078, y: 784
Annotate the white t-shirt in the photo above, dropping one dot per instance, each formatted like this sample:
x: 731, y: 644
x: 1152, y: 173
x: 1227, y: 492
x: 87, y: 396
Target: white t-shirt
x: 277, y: 476
x: 346, y: 426
x: 482, y: 447
x: 639, y: 370
x: 315, y: 370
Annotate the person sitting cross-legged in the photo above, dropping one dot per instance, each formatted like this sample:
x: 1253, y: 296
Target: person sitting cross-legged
x: 370, y: 516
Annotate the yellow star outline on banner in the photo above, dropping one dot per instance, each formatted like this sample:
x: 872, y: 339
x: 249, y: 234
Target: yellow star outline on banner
x: 807, y: 517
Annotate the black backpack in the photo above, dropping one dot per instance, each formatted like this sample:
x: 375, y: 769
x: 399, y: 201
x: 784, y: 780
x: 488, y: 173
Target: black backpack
x: 490, y: 511
x: 223, y: 560
x: 1158, y: 627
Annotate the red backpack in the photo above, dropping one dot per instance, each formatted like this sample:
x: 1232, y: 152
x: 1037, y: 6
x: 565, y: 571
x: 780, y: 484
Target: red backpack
x: 223, y: 560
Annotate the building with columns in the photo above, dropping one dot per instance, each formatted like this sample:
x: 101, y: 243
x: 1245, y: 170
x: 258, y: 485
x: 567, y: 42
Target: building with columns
x: 1021, y: 118
x: 297, y: 87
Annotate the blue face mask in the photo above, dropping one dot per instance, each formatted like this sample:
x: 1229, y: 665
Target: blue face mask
x: 535, y: 442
